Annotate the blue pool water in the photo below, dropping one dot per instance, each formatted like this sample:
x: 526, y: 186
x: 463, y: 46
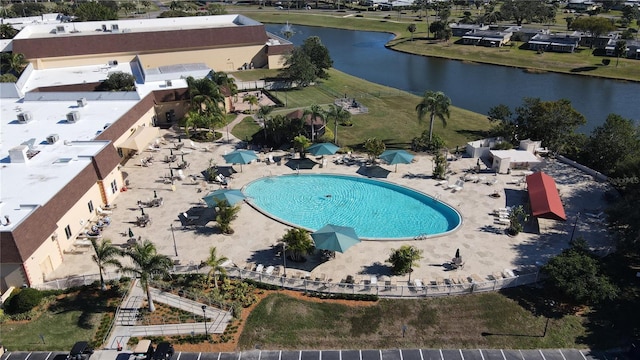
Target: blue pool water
x: 375, y: 209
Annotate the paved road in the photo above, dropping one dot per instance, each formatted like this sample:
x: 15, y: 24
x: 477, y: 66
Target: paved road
x: 396, y: 354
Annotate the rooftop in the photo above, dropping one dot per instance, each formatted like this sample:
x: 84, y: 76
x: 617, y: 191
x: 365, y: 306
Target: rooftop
x: 54, y: 165
x: 38, y: 30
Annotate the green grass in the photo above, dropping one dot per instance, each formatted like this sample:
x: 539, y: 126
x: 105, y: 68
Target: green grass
x: 75, y: 317
x: 490, y: 320
x: 391, y: 116
x: 582, y: 62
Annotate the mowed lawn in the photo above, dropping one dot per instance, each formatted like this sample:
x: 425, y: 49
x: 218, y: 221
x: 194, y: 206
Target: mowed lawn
x: 391, y: 113
x: 490, y: 320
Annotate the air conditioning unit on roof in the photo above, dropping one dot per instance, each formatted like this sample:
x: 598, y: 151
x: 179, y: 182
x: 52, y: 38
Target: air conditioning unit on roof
x: 25, y: 117
x: 82, y: 102
x: 73, y: 117
x: 53, y: 138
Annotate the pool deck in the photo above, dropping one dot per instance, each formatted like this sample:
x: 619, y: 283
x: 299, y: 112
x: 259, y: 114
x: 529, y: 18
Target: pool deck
x: 484, y: 246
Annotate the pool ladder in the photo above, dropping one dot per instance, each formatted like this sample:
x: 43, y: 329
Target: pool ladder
x: 421, y: 237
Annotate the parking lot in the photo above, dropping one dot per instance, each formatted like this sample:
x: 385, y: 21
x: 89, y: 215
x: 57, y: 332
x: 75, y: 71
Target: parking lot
x: 396, y: 354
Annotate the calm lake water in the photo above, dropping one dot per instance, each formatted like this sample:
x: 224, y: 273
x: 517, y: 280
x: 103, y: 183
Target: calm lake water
x: 475, y: 87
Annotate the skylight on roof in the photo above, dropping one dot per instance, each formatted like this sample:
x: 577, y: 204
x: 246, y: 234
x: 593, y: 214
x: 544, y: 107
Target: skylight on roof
x: 62, y: 160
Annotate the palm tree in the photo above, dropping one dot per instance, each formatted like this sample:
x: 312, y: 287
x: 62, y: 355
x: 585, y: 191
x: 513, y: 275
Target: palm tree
x: 298, y: 242
x: 205, y: 95
x: 215, y: 263
x: 436, y: 104
x: 147, y: 263
x: 262, y: 114
x: 225, y: 215
x: 251, y: 99
x: 13, y: 63
x: 621, y: 49
x: 404, y: 259
x: 339, y: 114
x: 314, y: 112
x: 301, y: 142
x: 105, y: 255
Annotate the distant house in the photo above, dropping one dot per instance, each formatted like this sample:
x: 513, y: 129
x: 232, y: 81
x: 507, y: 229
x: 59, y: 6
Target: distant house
x: 316, y: 127
x: 632, y: 50
x: 554, y: 42
x: 458, y: 29
x: 525, y: 34
x: 600, y: 42
x: 487, y: 38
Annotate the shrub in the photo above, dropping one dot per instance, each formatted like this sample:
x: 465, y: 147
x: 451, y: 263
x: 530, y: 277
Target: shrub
x: 24, y: 301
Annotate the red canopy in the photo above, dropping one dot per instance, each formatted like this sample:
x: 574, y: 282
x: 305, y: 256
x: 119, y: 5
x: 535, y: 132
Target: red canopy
x: 544, y: 198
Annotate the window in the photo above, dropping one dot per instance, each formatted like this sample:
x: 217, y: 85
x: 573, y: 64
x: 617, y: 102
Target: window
x: 114, y: 187
x: 120, y: 153
x: 90, y: 204
x: 67, y: 231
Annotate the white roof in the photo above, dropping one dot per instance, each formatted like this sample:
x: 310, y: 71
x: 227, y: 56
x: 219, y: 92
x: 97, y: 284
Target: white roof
x: 34, y: 183
x: 72, y: 75
x: 132, y: 25
x: 516, y: 156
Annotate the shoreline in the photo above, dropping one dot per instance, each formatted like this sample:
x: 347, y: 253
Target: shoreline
x: 392, y: 45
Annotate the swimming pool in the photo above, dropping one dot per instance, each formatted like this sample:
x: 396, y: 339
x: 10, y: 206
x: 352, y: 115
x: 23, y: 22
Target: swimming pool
x: 375, y: 209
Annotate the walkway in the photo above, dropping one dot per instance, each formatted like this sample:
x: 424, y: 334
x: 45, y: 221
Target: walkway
x: 127, y: 316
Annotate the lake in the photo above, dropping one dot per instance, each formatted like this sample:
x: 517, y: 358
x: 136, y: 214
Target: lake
x: 476, y: 87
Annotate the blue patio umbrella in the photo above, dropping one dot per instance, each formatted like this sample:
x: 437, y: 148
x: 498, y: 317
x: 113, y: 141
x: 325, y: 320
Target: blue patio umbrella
x: 335, y: 238
x: 395, y: 157
x: 323, y: 149
x: 232, y: 196
x: 240, y: 157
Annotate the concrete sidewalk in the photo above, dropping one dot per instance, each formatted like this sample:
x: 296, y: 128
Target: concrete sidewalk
x: 127, y: 316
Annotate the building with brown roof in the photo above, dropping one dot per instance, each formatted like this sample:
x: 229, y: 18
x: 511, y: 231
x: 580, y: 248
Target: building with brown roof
x: 223, y: 43
x: 63, y: 141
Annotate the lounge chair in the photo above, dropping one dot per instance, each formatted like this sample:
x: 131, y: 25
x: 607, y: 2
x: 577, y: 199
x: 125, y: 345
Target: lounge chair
x: 186, y: 221
x: 192, y: 145
x: 101, y: 211
x: 443, y: 183
x: 181, y: 175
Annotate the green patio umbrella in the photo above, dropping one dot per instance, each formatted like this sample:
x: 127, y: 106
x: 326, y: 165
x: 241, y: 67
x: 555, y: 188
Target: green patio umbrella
x: 322, y: 149
x: 240, y: 157
x: 335, y: 238
x: 232, y: 196
x: 395, y: 157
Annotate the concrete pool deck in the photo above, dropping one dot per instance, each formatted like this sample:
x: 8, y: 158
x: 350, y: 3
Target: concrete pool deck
x: 483, y: 244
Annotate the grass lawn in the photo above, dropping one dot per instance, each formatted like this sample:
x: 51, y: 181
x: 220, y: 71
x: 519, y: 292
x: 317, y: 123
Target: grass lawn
x: 582, y: 62
x: 491, y: 320
x: 391, y: 115
x: 72, y: 317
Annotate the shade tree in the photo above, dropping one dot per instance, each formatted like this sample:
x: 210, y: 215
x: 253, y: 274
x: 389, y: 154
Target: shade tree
x: 404, y: 259
x: 298, y: 243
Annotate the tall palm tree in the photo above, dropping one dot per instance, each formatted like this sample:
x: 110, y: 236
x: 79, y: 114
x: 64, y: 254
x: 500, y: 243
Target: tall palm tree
x: 436, y: 104
x: 339, y: 115
x: 262, y: 114
x: 252, y: 100
x: 205, y: 95
x: 147, y: 263
x: 105, y: 256
x: 215, y: 263
x: 314, y: 112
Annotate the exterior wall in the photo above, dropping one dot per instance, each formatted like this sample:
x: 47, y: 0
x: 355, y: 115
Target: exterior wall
x: 108, y: 196
x: 146, y: 119
x: 179, y: 107
x: 220, y: 59
x: 81, y: 60
x: 276, y: 61
x: 12, y: 275
x: 78, y: 217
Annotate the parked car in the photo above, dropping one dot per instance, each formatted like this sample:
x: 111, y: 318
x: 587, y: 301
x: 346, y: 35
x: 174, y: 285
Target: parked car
x: 164, y: 351
x: 80, y: 351
x: 143, y: 350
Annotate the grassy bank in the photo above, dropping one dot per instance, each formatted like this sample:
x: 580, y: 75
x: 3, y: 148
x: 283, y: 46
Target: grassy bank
x: 391, y: 117
x: 582, y: 62
x: 491, y: 320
